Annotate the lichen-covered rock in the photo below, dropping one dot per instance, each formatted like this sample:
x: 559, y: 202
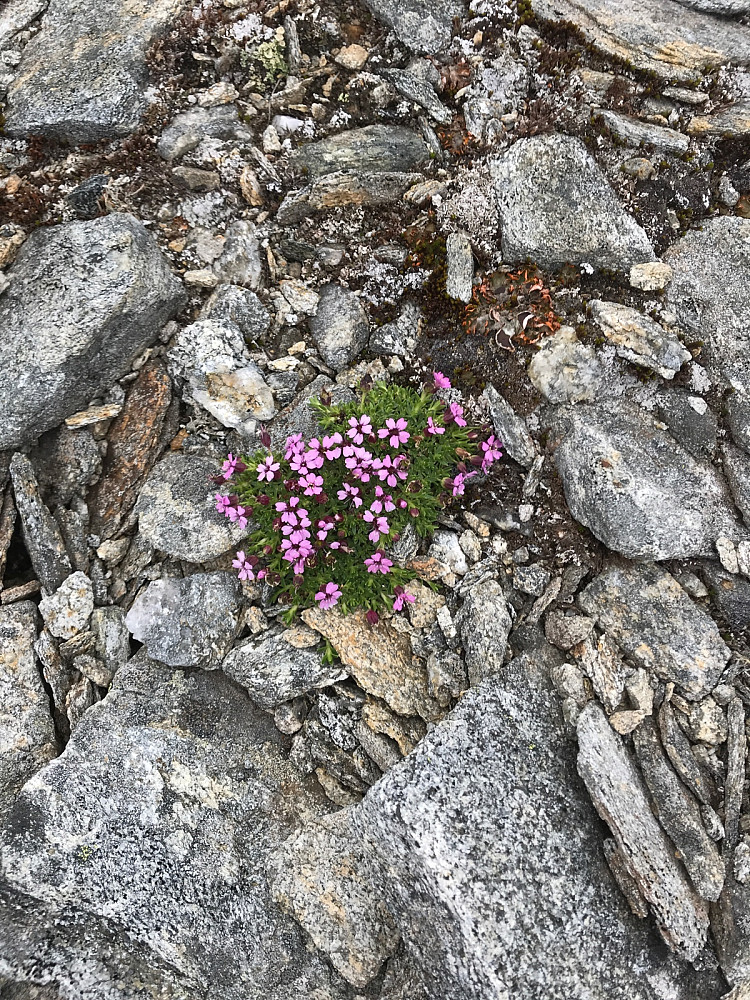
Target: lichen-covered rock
x: 557, y: 208
x: 113, y: 291
x: 511, y: 429
x: 41, y: 534
x: 67, y: 611
x: 177, y: 511
x: 640, y: 339
x: 188, y: 622
x: 635, y: 487
x: 273, y: 669
x: 154, y: 828
x: 657, y: 36
x: 422, y: 25
x: 339, y: 327
x: 372, y: 149
x: 653, y: 620
x: 104, y: 97
x: 484, y: 624
x: 27, y: 734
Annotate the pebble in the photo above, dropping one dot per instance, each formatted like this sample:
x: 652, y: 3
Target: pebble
x: 352, y: 57
x: 67, y: 611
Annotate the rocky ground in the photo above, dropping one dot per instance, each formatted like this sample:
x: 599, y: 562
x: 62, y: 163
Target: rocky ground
x: 533, y: 787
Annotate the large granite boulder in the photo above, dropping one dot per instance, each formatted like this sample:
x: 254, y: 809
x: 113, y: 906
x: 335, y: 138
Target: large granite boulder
x: 488, y: 855
x: 556, y: 207
x: 84, y: 300
x: 82, y: 76
x: 148, y: 840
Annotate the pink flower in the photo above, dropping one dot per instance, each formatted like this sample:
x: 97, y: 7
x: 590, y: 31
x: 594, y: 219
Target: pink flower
x: 388, y: 469
x: 381, y: 526
x: 491, y: 448
x: 245, y: 566
x: 441, y: 381
x: 294, y: 445
x: 378, y: 562
x: 395, y: 431
x: 352, y: 493
x: 359, y: 428
x: 237, y: 514
x: 329, y: 596
x: 455, y: 413
x: 267, y: 469
x: 384, y: 498
x: 312, y: 484
x: 222, y: 502
x: 331, y: 446
x: 401, y: 598
x: 433, y: 428
x: 233, y: 464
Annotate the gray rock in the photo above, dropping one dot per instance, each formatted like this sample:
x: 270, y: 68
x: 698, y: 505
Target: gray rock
x: 345, y: 187
x: 654, y: 622
x: 635, y: 132
x: 422, y: 25
x: 211, y: 357
x: 67, y: 611
x: 445, y: 547
x: 565, y: 631
x: 186, y: 132
x: 16, y: 17
x: 531, y: 580
x: 41, y: 535
x: 239, y: 306
x: 732, y: 122
x: 578, y: 220
x: 616, y: 788
x: 511, y: 429
x: 499, y: 88
x: 678, y: 813
x: 272, y: 670
x: 690, y: 421
x: 731, y: 595
x: 399, y: 336
x: 339, y: 327
x: 177, y: 511
x: 112, y: 639
x: 635, y: 488
x: 239, y: 262
x: 104, y: 98
x: 155, y: 827
x: 566, y: 371
x: 710, y: 295
x: 460, y: 278
x: 737, y: 469
x: 415, y: 89
x: 724, y: 8
x: 371, y: 149
x: 298, y: 418
x: 475, y: 823
x: 113, y: 293
x: 655, y: 36
x: 27, y: 734
x: 66, y: 462
x: 189, y: 622
x: 484, y: 624
x: 640, y: 339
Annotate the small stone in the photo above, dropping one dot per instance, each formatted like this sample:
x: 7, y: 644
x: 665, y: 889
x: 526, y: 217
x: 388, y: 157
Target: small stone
x: 339, y: 327
x: 240, y: 263
x: 423, y: 612
x: 446, y: 549
x: 727, y: 554
x: 531, y: 580
x: 271, y: 141
x: 352, y: 57
x: 197, y: 180
x: 289, y: 716
x: 706, y: 723
x: 640, y: 339
x: 67, y: 611
x: 446, y: 676
x: 470, y: 545
x: 202, y: 278
x: 566, y: 631
x: 187, y: 622
x: 565, y: 370
x: 639, y: 167
x: 41, y: 535
x: 302, y: 299
x: 484, y: 624
x: 220, y: 93
x: 373, y: 149
x: 743, y: 558
x: 93, y: 670
x: 459, y: 282
x: 511, y: 429
x: 399, y: 336
x: 636, y: 133
x: 251, y: 188
x: 239, y: 306
x: 112, y: 639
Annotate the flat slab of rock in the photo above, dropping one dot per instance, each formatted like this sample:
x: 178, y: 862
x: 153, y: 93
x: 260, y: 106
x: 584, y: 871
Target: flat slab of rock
x: 422, y: 25
x: 379, y: 658
x: 640, y: 339
x: 511, y: 429
x: 556, y: 207
x: 339, y: 327
x: 636, y: 488
x: 155, y: 826
x: 370, y: 149
x: 274, y: 668
x: 103, y: 98
x: 618, y: 792
x: 635, y: 132
x: 27, y: 734
x: 188, y: 622
x: 177, y: 511
x: 657, y: 36
x: 653, y: 620
x: 41, y: 534
x: 490, y: 893
x: 113, y: 291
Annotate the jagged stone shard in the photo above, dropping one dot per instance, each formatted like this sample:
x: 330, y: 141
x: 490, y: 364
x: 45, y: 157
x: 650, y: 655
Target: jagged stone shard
x: 82, y: 76
x: 492, y: 894
x: 156, y: 823
x: 617, y: 791
x: 636, y: 488
x: 653, y: 620
x: 658, y: 36
x: 27, y: 735
x: 94, y: 294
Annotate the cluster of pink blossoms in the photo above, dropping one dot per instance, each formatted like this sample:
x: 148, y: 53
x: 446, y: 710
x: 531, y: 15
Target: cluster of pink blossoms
x: 305, y: 539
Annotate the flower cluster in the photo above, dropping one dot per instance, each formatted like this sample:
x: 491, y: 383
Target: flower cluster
x: 327, y: 509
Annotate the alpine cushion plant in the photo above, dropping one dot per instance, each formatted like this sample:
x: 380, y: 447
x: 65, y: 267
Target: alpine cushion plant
x: 328, y: 508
